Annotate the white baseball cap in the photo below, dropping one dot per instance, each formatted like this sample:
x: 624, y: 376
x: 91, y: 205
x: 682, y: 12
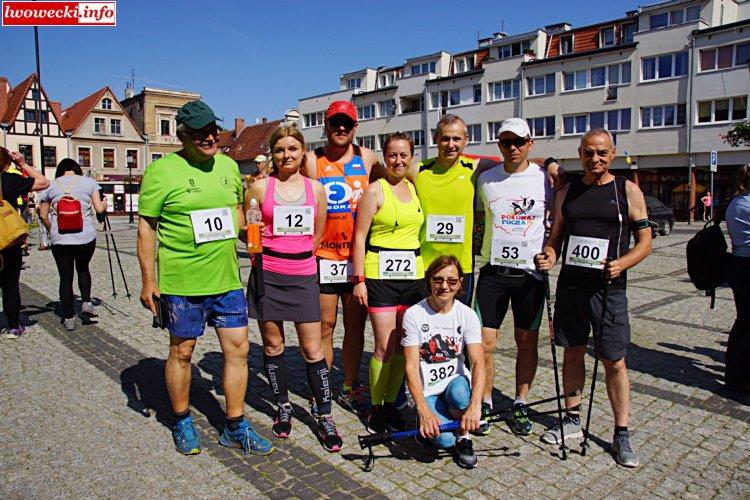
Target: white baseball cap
x: 517, y: 126
x: 260, y: 158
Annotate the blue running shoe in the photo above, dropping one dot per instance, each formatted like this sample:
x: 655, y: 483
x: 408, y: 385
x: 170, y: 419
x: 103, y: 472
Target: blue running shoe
x: 245, y: 438
x: 186, y: 438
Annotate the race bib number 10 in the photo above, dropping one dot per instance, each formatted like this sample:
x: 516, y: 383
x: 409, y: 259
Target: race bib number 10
x: 397, y: 265
x: 586, y: 252
x: 445, y: 228
x: 213, y: 224
x: 292, y: 220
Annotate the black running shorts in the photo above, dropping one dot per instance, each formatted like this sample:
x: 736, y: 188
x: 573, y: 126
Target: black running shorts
x: 522, y: 291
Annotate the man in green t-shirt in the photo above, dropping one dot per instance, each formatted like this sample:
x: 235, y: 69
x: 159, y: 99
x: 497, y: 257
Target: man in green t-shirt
x: 192, y: 201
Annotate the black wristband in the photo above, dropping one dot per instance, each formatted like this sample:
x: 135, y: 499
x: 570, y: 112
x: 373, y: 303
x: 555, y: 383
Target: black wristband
x: 549, y: 160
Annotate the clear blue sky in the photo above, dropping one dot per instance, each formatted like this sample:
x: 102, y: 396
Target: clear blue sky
x: 253, y: 59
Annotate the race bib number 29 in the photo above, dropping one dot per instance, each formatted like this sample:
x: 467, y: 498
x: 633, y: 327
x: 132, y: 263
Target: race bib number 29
x: 586, y: 252
x: 445, y: 228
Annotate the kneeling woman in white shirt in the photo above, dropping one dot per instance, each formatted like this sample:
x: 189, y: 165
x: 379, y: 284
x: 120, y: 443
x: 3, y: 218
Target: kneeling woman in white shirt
x: 435, y: 332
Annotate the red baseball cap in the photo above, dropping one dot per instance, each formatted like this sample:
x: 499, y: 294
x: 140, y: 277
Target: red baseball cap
x: 341, y: 108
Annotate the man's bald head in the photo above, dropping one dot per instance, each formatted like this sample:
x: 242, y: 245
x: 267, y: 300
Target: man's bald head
x: 598, y: 131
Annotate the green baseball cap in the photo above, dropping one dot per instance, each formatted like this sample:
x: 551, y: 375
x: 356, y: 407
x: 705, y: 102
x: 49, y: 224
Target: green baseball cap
x: 196, y: 115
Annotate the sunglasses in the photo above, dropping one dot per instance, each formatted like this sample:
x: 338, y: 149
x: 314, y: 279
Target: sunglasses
x: 200, y: 135
x: 519, y: 143
x: 342, y: 121
x: 439, y: 280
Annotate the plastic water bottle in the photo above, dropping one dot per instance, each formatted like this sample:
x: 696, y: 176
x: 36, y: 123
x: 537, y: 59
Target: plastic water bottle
x: 254, y: 218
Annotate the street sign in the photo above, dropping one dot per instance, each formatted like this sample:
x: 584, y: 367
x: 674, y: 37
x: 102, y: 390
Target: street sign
x: 714, y: 161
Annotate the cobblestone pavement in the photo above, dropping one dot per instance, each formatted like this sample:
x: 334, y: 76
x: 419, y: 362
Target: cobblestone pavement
x: 85, y: 413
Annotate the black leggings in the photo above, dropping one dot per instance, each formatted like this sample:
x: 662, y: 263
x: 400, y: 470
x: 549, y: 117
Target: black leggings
x: 738, y: 346
x: 10, y: 275
x: 65, y: 257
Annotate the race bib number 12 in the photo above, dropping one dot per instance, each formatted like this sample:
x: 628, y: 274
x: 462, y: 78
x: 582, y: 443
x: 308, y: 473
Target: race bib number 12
x: 586, y: 252
x: 292, y: 220
x: 213, y: 224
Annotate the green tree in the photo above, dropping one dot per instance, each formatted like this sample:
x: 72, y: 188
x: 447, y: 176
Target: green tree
x: 739, y: 135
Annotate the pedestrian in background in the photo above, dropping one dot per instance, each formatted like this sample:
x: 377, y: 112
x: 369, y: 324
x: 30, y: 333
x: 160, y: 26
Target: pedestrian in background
x: 737, y: 361
x: 72, y: 250
x: 706, y: 200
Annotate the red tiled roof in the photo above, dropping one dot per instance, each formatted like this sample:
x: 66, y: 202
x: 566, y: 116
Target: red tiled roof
x: 4, y: 90
x: 251, y: 141
x: 15, y: 99
x: 74, y: 115
x: 225, y: 138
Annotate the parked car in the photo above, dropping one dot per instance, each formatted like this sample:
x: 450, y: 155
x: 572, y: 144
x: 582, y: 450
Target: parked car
x: 660, y: 214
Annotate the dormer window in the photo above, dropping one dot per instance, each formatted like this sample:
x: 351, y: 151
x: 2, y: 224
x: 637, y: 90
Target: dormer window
x: 607, y: 37
x: 106, y: 103
x: 353, y: 83
x: 566, y: 44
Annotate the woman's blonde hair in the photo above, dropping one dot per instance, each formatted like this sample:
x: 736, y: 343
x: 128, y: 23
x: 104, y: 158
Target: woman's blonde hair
x: 280, y: 133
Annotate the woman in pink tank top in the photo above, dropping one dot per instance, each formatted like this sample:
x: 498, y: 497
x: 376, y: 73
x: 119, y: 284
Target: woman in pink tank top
x: 293, y: 208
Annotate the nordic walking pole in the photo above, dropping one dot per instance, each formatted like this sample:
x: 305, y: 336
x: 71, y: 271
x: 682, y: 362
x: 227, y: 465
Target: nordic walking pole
x: 547, y: 297
x: 597, y: 337
x: 117, y: 254
x: 109, y: 256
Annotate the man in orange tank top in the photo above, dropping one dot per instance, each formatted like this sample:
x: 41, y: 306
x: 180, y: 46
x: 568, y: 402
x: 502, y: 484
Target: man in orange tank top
x: 345, y: 169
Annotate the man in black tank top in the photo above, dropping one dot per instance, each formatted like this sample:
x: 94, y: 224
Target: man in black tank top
x: 595, y: 217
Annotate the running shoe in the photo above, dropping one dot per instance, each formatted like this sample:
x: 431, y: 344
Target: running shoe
x: 186, y: 438
x: 69, y: 324
x: 376, y: 421
x: 572, y: 427
x: 394, y: 418
x: 623, y: 452
x: 282, y: 424
x: 484, y: 429
x: 13, y: 333
x: 519, y: 423
x: 246, y: 439
x: 88, y: 310
x: 354, y: 399
x: 465, y: 455
x: 328, y: 434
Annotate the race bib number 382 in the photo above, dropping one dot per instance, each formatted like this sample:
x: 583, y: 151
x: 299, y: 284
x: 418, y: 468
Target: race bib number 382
x: 586, y: 252
x: 213, y: 224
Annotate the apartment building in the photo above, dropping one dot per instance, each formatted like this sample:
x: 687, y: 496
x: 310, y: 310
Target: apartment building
x: 667, y: 80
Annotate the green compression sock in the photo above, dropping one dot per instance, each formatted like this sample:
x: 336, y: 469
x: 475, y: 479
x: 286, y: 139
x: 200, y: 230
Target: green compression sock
x: 378, y: 380
x: 395, y: 377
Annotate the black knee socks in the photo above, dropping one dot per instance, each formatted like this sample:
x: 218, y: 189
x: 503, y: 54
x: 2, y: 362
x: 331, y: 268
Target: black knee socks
x: 317, y: 377
x: 277, y: 376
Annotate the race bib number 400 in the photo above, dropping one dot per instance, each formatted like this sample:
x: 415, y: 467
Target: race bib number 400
x: 511, y: 252
x: 292, y: 220
x: 437, y: 376
x: 586, y: 252
x: 445, y: 228
x: 335, y: 271
x: 213, y: 224
x: 397, y: 265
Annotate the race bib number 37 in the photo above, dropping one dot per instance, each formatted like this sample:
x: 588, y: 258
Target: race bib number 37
x: 586, y: 252
x: 397, y: 265
x: 335, y: 271
x: 213, y: 224
x: 292, y: 220
x: 445, y: 228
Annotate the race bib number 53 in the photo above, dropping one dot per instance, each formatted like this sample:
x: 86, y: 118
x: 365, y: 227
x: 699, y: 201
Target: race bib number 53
x: 586, y: 252
x: 213, y: 224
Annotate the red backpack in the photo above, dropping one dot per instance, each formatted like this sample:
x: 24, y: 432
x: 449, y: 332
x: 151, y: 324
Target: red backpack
x: 69, y: 214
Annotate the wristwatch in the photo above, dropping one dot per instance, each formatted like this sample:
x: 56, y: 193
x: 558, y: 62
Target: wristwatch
x: 549, y: 160
x: 357, y: 278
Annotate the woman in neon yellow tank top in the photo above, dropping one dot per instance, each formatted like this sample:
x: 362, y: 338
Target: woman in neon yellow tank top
x: 388, y: 272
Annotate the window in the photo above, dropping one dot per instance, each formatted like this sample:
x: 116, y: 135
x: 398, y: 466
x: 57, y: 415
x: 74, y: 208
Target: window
x: 445, y: 98
x: 156, y: 156
x: 725, y: 57
x: 607, y: 37
x: 106, y: 103
x: 542, y: 127
x: 49, y: 156
x: 492, y: 129
x: 693, y: 13
x: 575, y: 80
x: 115, y: 127
x: 412, y: 104
x: 417, y: 136
x: 84, y: 157
x: 131, y: 157
x: 742, y: 56
x: 660, y: 20
x: 381, y: 140
x: 675, y: 17
x: 662, y: 116
x: 164, y: 127
x: 598, y: 76
x: 541, y: 84
x: 35, y: 96
x: 566, y: 44
x: 460, y: 65
x: 366, y: 112
x: 424, y: 68
x: 27, y: 151
x: 313, y: 119
x: 513, y: 49
x: 619, y: 74
x: 353, y: 83
x: 477, y: 92
x: 507, y: 89
x: 387, y: 107
x: 575, y: 124
x: 475, y: 133
x: 665, y: 66
x: 367, y: 141
x: 29, y: 115
x: 99, y: 126
x: 108, y: 158
x: 628, y: 30
x: 722, y: 110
